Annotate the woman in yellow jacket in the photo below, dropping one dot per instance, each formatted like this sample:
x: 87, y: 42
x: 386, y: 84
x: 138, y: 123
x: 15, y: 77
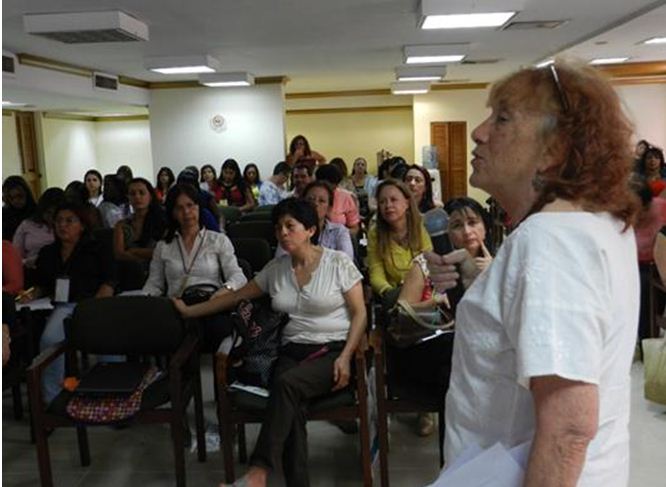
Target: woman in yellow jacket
x: 394, y: 240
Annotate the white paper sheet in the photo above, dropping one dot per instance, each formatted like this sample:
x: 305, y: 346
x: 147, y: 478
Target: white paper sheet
x: 36, y: 304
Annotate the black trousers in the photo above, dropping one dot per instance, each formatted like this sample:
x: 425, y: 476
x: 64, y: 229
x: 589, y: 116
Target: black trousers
x: 299, y: 377
x: 213, y: 329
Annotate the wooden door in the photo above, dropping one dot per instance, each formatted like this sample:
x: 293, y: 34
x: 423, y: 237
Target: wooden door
x: 27, y: 142
x: 450, y: 139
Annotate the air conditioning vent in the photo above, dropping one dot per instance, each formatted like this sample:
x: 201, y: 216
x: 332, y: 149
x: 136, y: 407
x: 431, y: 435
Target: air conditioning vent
x: 86, y: 27
x: 8, y: 64
x: 105, y: 82
x: 534, y: 24
x: 480, y: 61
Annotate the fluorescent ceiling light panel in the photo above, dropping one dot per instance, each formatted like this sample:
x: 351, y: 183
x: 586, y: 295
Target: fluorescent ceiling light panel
x: 408, y: 73
x: 466, y: 21
x: 656, y: 40
x: 13, y: 104
x: 182, y: 64
x: 433, y: 54
x: 218, y: 80
x: 609, y: 60
x: 463, y: 14
x: 410, y: 88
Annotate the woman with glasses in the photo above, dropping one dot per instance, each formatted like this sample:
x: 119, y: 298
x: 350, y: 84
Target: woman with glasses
x: 545, y: 336
x: 73, y: 268
x: 334, y: 236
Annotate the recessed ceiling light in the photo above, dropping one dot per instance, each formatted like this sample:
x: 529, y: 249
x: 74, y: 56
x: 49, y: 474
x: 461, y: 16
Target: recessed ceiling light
x: 545, y: 63
x: 655, y: 40
x: 226, y: 80
x: 433, y: 54
x: 609, y: 60
x: 466, y: 21
x: 409, y: 88
x: 408, y: 73
x: 182, y: 64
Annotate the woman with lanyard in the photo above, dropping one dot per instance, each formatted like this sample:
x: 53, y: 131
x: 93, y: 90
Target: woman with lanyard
x: 71, y: 269
x: 192, y: 256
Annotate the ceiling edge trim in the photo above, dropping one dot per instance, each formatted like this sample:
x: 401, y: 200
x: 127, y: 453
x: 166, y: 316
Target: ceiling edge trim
x: 320, y: 111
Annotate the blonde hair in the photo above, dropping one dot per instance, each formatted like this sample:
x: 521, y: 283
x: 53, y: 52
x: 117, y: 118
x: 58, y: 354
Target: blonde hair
x: 414, y: 222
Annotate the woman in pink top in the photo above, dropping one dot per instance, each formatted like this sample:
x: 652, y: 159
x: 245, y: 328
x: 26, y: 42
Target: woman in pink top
x: 345, y: 208
x: 37, y: 231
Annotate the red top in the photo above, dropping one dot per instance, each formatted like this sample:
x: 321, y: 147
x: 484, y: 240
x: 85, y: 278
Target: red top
x: 232, y: 194
x: 657, y: 186
x: 12, y: 269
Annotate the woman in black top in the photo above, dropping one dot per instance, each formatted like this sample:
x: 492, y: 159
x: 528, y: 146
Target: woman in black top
x: 71, y: 269
x: 19, y: 204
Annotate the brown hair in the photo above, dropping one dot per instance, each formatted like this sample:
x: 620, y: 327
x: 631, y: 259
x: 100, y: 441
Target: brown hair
x: 414, y: 222
x: 585, y: 128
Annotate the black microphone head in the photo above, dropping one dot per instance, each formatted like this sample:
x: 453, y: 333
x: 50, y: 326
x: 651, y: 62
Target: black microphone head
x: 436, y: 222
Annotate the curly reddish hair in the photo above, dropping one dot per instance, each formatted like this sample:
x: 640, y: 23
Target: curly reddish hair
x: 586, y: 131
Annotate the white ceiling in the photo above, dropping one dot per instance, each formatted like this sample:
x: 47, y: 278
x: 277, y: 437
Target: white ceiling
x: 332, y: 45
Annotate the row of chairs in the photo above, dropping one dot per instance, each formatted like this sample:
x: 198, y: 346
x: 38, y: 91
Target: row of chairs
x: 140, y: 327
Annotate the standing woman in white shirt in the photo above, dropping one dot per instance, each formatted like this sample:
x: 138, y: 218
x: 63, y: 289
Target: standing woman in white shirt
x: 320, y: 289
x: 546, y: 334
x: 190, y: 255
x: 93, y: 181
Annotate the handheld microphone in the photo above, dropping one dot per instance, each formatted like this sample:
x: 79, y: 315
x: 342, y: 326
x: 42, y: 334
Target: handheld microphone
x: 436, y: 222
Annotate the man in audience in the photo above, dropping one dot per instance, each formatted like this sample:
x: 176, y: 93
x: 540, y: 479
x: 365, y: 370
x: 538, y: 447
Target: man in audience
x: 273, y: 189
x: 301, y: 176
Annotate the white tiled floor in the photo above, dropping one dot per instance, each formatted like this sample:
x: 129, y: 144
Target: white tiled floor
x: 141, y: 456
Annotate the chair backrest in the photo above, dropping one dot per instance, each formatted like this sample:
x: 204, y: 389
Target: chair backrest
x: 255, y: 229
x: 231, y: 214
x: 256, y: 251
x: 256, y: 216
x: 126, y: 325
x: 264, y: 209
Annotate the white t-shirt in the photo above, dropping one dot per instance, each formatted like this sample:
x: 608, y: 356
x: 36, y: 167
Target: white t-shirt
x: 561, y: 298
x: 317, y: 312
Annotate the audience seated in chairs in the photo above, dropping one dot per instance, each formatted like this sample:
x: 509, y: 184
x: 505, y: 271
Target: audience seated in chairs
x: 37, y: 231
x: 135, y: 237
x: 165, y: 179
x: 394, y: 240
x: 19, y: 204
x: 252, y: 179
x: 344, y: 209
x: 77, y: 194
x: 334, y: 236
x: 321, y: 291
x: 273, y: 190
x: 71, y: 269
x: 232, y: 188
x: 192, y: 257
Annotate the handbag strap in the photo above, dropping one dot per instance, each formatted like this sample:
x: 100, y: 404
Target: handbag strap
x: 413, y: 315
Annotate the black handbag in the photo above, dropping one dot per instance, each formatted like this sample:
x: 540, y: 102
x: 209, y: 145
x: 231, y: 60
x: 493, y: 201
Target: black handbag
x: 409, y: 326
x: 260, y: 328
x: 198, y: 293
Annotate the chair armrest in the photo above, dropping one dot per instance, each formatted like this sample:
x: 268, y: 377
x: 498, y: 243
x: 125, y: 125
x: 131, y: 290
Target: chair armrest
x: 184, y: 352
x: 45, y: 358
x: 221, y: 363
x: 376, y: 341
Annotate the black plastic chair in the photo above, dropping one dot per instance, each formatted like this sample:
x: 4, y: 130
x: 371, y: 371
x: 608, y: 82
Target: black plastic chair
x: 256, y: 229
x: 256, y: 251
x: 136, y: 326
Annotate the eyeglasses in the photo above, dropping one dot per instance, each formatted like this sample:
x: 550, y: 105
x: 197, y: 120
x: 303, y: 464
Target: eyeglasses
x: 563, y: 97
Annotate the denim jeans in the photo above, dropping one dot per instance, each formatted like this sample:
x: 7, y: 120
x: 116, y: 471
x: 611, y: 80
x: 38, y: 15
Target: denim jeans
x: 54, y: 333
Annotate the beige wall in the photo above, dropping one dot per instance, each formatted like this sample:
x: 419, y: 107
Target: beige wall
x: 646, y: 106
x: 356, y: 134
x: 11, y: 159
x: 449, y: 106
x: 71, y: 147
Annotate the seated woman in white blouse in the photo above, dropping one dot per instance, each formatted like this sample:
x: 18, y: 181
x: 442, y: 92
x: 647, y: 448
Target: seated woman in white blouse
x: 321, y: 291
x: 191, y: 255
